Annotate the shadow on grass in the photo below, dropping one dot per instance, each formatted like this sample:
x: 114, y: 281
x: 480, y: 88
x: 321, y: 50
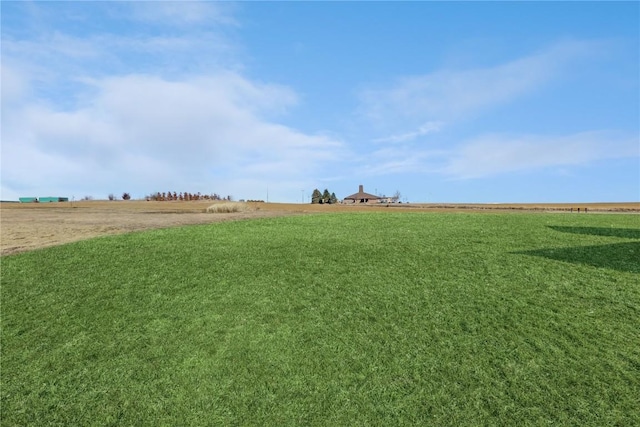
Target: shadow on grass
x: 617, y: 256
x: 629, y: 233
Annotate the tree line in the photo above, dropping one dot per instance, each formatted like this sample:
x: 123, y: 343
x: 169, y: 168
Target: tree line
x: 186, y: 196
x: 321, y: 198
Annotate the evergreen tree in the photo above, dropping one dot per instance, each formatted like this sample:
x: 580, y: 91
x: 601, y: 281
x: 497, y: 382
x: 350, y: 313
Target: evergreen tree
x: 333, y: 199
x: 326, y: 196
x: 316, y: 197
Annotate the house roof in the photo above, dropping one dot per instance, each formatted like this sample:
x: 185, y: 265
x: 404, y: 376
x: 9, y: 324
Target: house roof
x: 361, y: 195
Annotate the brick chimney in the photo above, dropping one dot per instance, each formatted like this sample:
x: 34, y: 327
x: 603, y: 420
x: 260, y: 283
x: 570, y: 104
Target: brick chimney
x: 361, y: 188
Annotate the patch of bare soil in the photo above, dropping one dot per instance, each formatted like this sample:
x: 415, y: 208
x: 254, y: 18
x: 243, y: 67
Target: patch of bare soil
x: 25, y: 227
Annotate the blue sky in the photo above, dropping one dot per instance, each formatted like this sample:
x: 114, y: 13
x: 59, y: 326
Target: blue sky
x: 442, y: 101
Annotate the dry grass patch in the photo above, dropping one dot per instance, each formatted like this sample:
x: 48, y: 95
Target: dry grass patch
x: 228, y: 207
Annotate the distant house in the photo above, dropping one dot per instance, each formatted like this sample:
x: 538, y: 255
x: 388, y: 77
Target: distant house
x: 361, y: 197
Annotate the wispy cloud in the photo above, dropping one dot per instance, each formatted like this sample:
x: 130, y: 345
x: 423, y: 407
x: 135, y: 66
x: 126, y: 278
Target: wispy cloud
x: 52, y: 51
x: 184, y: 13
x: 400, y: 159
x: 60, y: 57
x: 450, y: 94
x: 425, y: 129
x: 498, y: 154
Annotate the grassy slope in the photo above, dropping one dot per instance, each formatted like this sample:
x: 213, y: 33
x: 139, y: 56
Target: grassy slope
x: 345, y: 319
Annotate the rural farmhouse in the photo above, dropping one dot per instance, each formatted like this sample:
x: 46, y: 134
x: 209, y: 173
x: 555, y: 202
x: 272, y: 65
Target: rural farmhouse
x: 361, y: 197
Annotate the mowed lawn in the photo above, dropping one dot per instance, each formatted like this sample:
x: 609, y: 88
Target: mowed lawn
x: 347, y: 319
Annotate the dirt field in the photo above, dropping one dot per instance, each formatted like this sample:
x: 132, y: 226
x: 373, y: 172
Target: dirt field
x: 29, y: 226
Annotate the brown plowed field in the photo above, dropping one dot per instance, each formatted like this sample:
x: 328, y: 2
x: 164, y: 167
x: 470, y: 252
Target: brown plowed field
x: 30, y: 226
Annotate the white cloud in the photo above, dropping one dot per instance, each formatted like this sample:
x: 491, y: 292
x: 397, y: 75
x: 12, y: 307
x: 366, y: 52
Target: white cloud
x: 154, y: 134
x: 14, y: 84
x: 499, y: 154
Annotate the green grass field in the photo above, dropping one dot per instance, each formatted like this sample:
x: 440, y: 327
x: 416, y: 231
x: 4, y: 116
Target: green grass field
x: 345, y: 319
